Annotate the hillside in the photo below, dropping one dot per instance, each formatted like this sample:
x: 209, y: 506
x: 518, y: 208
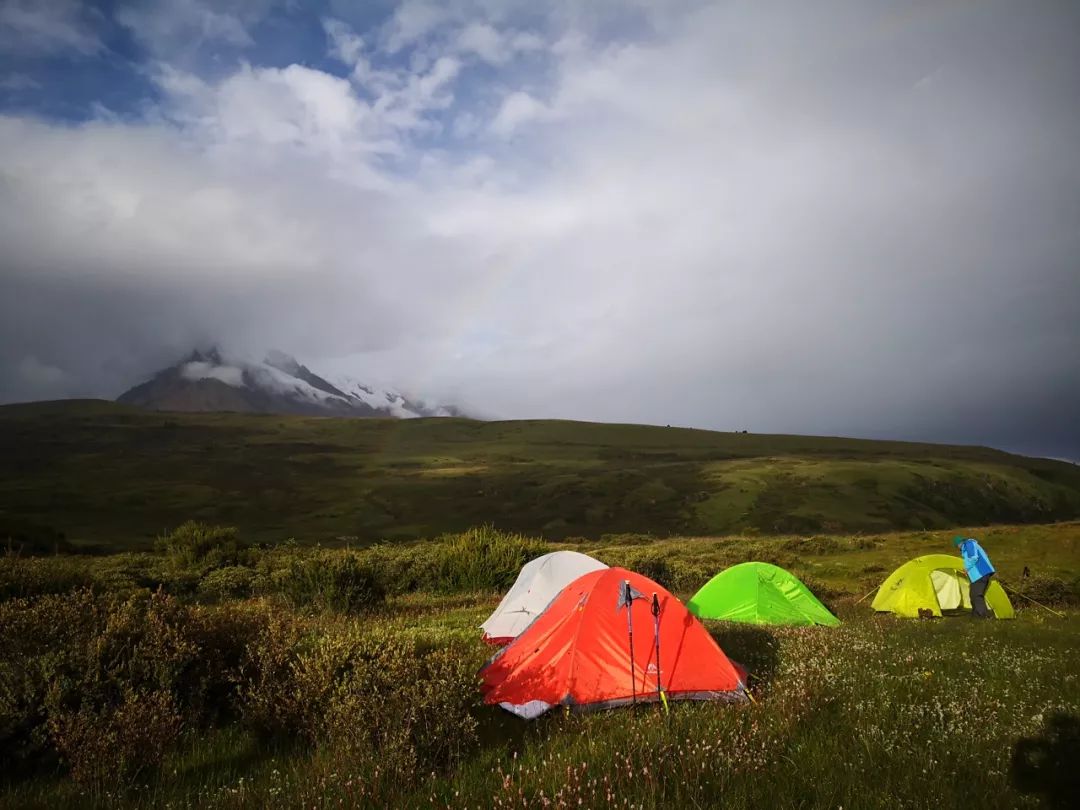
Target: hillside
x: 104, y: 473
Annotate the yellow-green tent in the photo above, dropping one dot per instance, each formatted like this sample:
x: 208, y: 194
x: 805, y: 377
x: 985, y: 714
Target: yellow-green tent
x: 936, y: 582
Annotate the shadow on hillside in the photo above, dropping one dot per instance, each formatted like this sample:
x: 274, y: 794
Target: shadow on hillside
x: 753, y: 647
x: 1046, y: 764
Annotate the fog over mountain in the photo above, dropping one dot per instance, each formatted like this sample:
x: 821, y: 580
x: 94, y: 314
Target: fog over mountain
x: 857, y: 218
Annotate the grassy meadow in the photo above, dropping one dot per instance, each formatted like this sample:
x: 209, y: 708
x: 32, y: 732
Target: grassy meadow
x: 213, y: 673
x: 78, y: 474
x: 222, y: 610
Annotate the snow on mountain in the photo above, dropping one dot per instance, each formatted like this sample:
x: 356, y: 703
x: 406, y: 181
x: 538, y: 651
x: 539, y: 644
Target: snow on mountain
x: 378, y: 398
x: 200, y: 370
x: 208, y: 381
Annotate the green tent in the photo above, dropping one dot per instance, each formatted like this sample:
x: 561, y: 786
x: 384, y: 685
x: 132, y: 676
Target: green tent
x: 759, y: 593
x: 938, y: 583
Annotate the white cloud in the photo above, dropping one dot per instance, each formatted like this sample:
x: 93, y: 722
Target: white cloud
x: 47, y: 27
x: 171, y: 27
x: 308, y: 110
x: 494, y: 46
x: 411, y: 22
x: 517, y: 109
x: 345, y: 44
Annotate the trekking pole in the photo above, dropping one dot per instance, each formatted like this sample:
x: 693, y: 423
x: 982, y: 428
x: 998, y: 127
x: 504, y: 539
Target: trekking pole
x: 660, y: 696
x: 630, y: 633
x: 1040, y: 604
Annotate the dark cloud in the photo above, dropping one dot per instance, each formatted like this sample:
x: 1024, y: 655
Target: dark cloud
x: 849, y: 219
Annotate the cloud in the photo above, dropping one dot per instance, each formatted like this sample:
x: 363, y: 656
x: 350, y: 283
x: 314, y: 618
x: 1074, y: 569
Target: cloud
x: 345, y: 44
x: 40, y: 375
x: 168, y: 28
x: 18, y: 82
x: 275, y: 107
x: 851, y: 219
x: 43, y: 27
x: 494, y: 46
x: 411, y: 22
x: 517, y: 109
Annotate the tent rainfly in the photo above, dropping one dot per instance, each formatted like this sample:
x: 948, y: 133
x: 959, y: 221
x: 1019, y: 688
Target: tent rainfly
x: 538, y: 583
x: 938, y: 583
x: 759, y: 593
x: 610, y: 638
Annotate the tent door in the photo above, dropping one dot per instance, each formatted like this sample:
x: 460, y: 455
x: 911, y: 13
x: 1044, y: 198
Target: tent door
x: 952, y: 590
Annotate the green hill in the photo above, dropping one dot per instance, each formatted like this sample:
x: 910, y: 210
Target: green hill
x: 105, y: 473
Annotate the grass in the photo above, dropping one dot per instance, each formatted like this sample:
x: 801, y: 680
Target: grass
x: 879, y: 712
x: 74, y: 474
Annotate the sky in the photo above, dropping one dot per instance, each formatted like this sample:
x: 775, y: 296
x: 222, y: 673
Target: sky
x: 849, y: 218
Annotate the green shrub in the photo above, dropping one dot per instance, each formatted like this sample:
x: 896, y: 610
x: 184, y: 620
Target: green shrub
x: 330, y: 581
x: 644, y: 562
x: 197, y: 545
x: 817, y: 545
x: 387, y: 703
x: 687, y: 577
x: 112, y: 746
x: 404, y: 569
x: 24, y: 578
x: 231, y: 582
x: 36, y: 639
x: 132, y: 668
x: 481, y: 559
x: 654, y: 567
x: 828, y: 596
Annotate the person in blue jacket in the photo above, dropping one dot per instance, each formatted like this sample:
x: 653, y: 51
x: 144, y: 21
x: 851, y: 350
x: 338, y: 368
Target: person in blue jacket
x: 979, y: 571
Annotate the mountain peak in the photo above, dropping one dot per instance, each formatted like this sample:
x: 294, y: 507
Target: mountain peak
x: 204, y: 381
x: 282, y: 361
x: 206, y: 355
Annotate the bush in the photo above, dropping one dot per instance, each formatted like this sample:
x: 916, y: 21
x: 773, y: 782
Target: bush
x: 24, y: 578
x: 646, y: 563
x: 231, y: 582
x: 83, y: 675
x: 112, y: 746
x: 403, y: 569
x: 482, y: 559
x: 386, y: 702
x: 817, y: 545
x: 330, y: 581
x: 35, y: 639
x: 197, y: 545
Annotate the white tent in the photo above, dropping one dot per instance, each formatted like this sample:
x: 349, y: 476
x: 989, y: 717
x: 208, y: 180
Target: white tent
x: 538, y: 583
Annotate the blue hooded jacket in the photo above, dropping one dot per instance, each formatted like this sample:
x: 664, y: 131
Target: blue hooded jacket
x: 975, y: 560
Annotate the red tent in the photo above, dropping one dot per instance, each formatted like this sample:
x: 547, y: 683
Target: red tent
x: 577, y: 652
